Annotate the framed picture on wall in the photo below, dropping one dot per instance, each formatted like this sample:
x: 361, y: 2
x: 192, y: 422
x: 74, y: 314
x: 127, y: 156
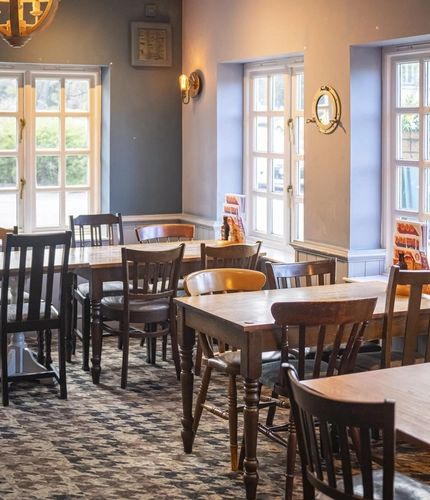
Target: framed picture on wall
x: 151, y: 44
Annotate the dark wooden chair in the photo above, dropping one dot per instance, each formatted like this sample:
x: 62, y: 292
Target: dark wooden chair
x: 351, y: 472
x: 3, y: 235
x: 297, y: 274
x: 208, y: 282
x: 146, y: 309
x: 415, y: 345
x: 156, y: 233
x: 239, y: 255
x: 46, y: 255
x: 338, y: 323
x: 92, y: 230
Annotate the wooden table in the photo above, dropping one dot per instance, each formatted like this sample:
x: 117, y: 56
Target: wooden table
x: 100, y: 264
x: 244, y: 320
x: 409, y: 386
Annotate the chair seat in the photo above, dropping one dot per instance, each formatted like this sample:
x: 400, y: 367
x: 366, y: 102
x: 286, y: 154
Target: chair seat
x: 229, y: 361
x: 151, y: 311
x: 11, y: 312
x: 270, y: 371
x: 109, y: 288
x: 372, y: 360
x: 405, y: 488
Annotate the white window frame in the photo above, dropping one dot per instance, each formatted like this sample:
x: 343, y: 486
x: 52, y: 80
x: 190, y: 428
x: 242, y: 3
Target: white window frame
x: 291, y: 198
x: 390, y: 211
x: 26, y: 147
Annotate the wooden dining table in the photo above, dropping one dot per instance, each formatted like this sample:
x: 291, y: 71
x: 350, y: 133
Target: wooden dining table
x: 408, y: 386
x: 103, y: 263
x: 244, y: 320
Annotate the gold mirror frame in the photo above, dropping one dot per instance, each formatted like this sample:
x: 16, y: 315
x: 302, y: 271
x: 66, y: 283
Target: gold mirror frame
x: 326, y: 109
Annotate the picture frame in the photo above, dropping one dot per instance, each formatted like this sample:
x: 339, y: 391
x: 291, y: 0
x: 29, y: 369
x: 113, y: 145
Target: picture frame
x: 151, y: 44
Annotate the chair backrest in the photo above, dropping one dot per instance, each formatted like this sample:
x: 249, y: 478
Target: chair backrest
x: 238, y: 255
x: 164, y: 232
x: 3, y: 235
x: 223, y: 280
x: 412, y: 282
x: 336, y: 323
x: 319, y: 420
x: 151, y: 275
x: 46, y: 255
x: 297, y: 274
x: 96, y: 230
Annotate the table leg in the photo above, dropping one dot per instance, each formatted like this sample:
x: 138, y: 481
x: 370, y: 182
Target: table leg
x: 186, y: 339
x: 250, y: 424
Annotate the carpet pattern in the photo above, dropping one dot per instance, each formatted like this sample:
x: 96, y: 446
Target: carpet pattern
x: 110, y: 444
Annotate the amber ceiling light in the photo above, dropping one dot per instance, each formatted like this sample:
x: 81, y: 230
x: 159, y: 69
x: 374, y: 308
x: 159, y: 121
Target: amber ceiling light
x: 19, y: 19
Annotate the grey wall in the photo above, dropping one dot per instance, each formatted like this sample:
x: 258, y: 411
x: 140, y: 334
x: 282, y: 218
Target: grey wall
x: 141, y: 148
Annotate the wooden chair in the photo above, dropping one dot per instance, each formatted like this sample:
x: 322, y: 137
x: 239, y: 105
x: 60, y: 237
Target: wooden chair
x: 48, y: 254
x: 415, y: 333
x: 208, y: 282
x: 340, y: 324
x: 238, y: 255
x: 92, y: 230
x: 351, y: 472
x: 164, y: 232
x: 146, y: 310
x: 297, y: 274
x: 3, y: 235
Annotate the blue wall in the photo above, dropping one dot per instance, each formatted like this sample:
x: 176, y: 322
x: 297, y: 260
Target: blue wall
x: 142, y: 127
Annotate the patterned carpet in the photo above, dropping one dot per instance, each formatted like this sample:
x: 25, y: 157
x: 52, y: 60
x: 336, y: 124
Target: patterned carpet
x: 109, y: 444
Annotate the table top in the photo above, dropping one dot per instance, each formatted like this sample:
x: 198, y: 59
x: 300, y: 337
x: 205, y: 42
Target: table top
x: 251, y: 310
x: 409, y: 386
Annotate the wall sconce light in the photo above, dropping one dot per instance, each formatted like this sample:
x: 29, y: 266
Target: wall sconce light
x: 25, y: 17
x: 190, y: 86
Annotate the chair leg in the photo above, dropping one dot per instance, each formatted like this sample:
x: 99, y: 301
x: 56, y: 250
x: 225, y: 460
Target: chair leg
x: 48, y: 342
x: 232, y: 421
x: 201, y: 397
x: 125, y: 352
x: 175, y: 348
x: 164, y: 348
x: 62, y: 363
x: 198, y: 363
x: 40, y: 348
x: 4, y: 374
x: 271, y: 411
x: 291, y: 458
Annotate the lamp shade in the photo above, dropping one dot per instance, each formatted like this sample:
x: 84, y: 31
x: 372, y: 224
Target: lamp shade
x: 19, y: 19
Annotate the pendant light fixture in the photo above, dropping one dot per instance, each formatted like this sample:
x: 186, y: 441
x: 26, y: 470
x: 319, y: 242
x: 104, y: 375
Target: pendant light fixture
x: 19, y: 19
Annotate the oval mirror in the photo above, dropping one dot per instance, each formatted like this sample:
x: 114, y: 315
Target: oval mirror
x: 326, y: 109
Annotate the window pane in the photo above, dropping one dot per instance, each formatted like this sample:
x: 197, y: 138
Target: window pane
x: 427, y: 190
x: 77, y: 203
x: 47, y: 95
x: 77, y: 95
x: 278, y: 217
x: 408, y: 182
x: 8, y: 172
x: 260, y: 142
x: 409, y: 84
x: 300, y: 92
x: 47, y: 132
x: 47, y: 171
x: 260, y: 174
x: 8, y: 209
x: 408, y: 136
x: 260, y: 94
x: 300, y: 135
x: 47, y: 209
x: 278, y: 92
x: 277, y: 129
x: 261, y: 214
x: 278, y: 176
x: 77, y: 170
x: 300, y: 176
x: 8, y: 94
x: 8, y: 137
x: 76, y: 132
x: 300, y: 234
